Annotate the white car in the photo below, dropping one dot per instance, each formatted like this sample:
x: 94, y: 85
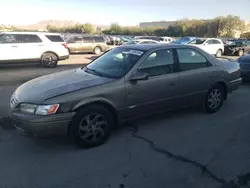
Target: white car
x: 212, y: 46
x: 47, y: 48
x: 141, y: 41
x: 166, y: 40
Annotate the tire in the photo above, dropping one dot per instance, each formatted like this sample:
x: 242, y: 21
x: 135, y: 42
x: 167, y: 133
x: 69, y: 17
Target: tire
x: 97, y: 50
x: 240, y: 53
x: 49, y: 60
x: 218, y: 53
x: 85, y: 129
x: 214, y: 98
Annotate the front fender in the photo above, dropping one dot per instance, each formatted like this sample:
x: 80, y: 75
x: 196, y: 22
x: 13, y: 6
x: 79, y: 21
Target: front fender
x: 91, y: 101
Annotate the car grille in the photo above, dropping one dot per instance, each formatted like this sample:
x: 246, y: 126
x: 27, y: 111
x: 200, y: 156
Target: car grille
x: 13, y: 102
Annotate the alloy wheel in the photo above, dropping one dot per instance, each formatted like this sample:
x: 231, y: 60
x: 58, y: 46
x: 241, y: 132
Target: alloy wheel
x: 49, y: 61
x: 92, y: 127
x: 214, y: 99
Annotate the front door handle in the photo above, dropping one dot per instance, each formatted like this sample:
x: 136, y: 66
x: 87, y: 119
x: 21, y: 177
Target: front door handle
x: 14, y: 46
x: 41, y: 45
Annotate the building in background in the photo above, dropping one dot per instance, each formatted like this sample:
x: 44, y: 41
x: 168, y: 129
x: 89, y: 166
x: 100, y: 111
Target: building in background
x: 162, y: 24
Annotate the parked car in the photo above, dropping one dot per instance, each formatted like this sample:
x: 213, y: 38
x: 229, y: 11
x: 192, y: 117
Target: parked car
x: 212, y: 46
x: 235, y: 47
x: 247, y: 48
x: 183, y: 40
x: 85, y: 43
x: 244, y: 62
x: 47, y: 48
x: 121, y: 85
x: 141, y: 41
x: 166, y: 40
x: 155, y: 38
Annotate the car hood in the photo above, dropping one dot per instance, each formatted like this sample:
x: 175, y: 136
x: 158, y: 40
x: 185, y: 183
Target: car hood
x: 49, y: 86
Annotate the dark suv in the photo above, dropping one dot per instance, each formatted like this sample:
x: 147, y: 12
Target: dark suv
x: 235, y: 47
x: 81, y: 43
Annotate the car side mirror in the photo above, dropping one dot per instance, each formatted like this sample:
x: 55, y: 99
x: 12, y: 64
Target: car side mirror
x: 205, y: 44
x: 139, y: 76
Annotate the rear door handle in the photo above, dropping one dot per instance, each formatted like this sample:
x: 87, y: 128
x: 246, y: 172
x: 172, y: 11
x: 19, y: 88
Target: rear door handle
x: 41, y: 45
x: 14, y: 46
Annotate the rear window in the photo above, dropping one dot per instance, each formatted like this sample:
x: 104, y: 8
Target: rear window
x: 55, y: 38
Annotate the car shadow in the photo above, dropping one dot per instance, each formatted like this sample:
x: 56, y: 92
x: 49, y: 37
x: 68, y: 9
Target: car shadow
x: 64, y: 143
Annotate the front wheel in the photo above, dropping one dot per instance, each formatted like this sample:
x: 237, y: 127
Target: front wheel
x: 91, y: 126
x: 49, y: 60
x: 215, y: 98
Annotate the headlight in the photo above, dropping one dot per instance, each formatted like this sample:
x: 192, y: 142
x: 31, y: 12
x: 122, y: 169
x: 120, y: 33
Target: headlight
x: 39, y: 109
x: 29, y: 108
x: 46, y: 109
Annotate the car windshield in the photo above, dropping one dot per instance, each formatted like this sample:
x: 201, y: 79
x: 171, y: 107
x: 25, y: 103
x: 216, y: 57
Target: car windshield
x: 115, y: 63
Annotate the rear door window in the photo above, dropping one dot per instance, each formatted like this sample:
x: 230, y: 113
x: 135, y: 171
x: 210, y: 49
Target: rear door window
x: 87, y: 39
x: 77, y: 40
x: 55, y: 38
x: 209, y: 42
x: 190, y: 59
x: 216, y: 42
x: 30, y: 38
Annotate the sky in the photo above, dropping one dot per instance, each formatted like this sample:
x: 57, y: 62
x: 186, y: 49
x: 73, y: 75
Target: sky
x: 124, y: 12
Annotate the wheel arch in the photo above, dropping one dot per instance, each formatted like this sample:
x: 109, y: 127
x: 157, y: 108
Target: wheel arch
x: 100, y: 102
x: 224, y: 85
x: 49, y: 52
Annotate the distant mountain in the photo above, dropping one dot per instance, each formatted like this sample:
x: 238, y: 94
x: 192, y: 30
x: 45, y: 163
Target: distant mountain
x: 59, y: 23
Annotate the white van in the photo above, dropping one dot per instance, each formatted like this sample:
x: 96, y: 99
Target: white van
x: 47, y: 48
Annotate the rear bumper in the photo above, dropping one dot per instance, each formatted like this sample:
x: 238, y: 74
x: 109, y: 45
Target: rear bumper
x: 233, y: 85
x: 245, y: 75
x: 64, y: 57
x: 34, y: 125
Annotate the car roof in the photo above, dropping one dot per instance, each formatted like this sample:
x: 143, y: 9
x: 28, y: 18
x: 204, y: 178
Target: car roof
x: 146, y: 47
x: 31, y: 33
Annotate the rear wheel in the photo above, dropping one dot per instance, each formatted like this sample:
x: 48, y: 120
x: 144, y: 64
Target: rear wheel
x: 97, y: 50
x: 215, y: 98
x: 218, y: 53
x: 91, y: 126
x: 49, y: 60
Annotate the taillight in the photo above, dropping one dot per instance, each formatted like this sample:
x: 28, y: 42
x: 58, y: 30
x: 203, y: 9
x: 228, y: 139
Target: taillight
x: 65, y: 45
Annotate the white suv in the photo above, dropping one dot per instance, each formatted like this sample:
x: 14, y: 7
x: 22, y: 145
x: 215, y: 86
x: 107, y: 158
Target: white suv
x: 47, y: 48
x: 210, y: 45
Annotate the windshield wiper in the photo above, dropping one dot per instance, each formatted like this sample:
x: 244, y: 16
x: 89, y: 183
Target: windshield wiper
x: 98, y: 73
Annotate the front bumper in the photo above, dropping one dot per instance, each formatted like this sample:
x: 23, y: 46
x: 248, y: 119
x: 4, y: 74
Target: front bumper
x: 233, y: 85
x: 64, y: 57
x: 34, y: 125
